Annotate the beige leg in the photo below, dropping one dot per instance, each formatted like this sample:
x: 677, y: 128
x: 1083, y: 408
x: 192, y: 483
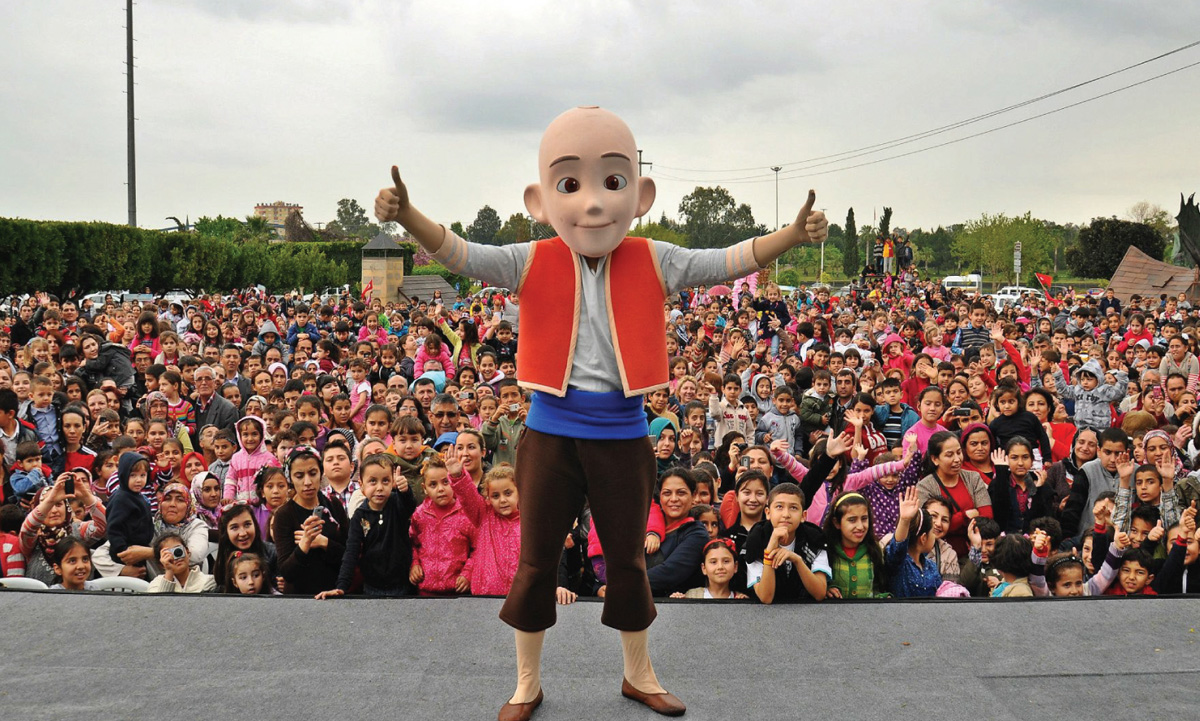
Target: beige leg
x: 529, y: 666
x: 638, y: 671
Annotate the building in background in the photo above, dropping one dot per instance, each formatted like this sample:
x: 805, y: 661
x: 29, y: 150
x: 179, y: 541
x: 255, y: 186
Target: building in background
x: 276, y: 214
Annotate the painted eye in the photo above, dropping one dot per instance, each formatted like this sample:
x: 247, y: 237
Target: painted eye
x: 568, y: 185
x: 615, y: 182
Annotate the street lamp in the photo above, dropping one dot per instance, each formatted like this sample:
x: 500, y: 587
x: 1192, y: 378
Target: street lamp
x: 777, y: 168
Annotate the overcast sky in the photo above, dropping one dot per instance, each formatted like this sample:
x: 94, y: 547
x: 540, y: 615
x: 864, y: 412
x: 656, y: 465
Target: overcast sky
x: 309, y: 101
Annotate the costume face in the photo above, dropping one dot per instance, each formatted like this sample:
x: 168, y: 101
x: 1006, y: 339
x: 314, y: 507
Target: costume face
x: 589, y: 189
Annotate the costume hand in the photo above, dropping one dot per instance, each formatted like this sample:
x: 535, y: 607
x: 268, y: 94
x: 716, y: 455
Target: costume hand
x: 565, y: 596
x: 415, y: 574
x: 811, y: 223
x: 652, y: 542
x: 461, y: 584
x: 392, y: 201
x: 330, y: 594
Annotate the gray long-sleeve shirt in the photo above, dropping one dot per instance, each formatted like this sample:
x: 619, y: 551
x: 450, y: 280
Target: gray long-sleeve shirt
x: 595, y: 361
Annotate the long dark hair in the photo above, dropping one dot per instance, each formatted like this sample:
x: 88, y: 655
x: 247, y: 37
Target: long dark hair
x: 225, y: 547
x: 936, y: 441
x: 147, y: 317
x: 833, y: 535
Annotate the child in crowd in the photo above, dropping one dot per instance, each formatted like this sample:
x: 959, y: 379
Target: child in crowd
x: 378, y: 544
x: 442, y: 536
x: 719, y: 567
x: 72, y: 566
x: 497, y: 521
x: 249, y: 575
x: 239, y: 482
x: 855, y: 558
x: 1011, y: 559
x: 912, y: 573
x: 786, y: 560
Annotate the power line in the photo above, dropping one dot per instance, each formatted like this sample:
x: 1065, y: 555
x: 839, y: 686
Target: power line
x: 800, y: 172
x: 886, y: 145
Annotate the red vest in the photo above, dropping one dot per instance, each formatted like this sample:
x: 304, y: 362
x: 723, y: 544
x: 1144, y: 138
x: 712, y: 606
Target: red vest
x: 550, y: 292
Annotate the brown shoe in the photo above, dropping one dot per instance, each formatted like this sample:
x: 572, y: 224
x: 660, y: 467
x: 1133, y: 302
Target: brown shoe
x: 519, y: 711
x: 663, y: 703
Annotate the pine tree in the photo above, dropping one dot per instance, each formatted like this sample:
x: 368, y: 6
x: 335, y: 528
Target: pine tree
x: 850, y: 264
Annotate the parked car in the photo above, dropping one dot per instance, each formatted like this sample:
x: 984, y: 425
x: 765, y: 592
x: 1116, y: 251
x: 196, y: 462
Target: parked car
x: 1010, y: 294
x: 972, y: 283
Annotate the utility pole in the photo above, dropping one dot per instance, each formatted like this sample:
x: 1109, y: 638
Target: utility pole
x: 132, y: 183
x: 646, y: 163
x: 777, y: 168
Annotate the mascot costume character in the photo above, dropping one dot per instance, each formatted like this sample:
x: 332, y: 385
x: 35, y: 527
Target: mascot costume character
x: 592, y: 345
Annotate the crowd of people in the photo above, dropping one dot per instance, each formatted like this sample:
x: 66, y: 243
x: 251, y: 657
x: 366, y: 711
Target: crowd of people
x: 901, y: 440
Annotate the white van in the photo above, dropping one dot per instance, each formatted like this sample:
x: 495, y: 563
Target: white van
x: 972, y: 283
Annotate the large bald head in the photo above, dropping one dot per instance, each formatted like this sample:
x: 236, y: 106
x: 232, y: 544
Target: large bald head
x: 589, y: 190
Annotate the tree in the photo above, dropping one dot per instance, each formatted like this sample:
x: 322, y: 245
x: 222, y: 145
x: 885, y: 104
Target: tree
x: 1103, y: 243
x: 932, y: 250
x: 885, y: 223
x: 658, y: 231
x: 1152, y: 215
x: 485, y: 227
x: 850, y: 262
x: 988, y: 244
x: 713, y: 219
x: 515, y: 230
x: 352, y: 220
x: 457, y: 228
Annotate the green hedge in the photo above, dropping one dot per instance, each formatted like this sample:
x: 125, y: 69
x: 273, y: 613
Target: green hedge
x: 461, y: 283
x: 60, y: 256
x: 349, y: 252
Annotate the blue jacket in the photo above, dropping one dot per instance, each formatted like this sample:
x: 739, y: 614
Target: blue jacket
x: 908, y: 417
x: 293, y: 332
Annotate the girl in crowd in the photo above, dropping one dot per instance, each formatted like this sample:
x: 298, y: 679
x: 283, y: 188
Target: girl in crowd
x: 309, y: 530
x: 497, y: 521
x: 72, y: 566
x: 178, y: 575
x: 854, y: 553
x: 719, y: 567
x: 912, y: 573
x: 441, y: 536
x: 241, y: 535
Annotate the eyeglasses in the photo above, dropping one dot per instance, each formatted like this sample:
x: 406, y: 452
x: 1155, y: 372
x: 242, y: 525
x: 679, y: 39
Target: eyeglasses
x: 445, y: 414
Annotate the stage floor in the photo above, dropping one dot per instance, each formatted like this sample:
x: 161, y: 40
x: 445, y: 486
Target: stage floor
x: 218, y: 658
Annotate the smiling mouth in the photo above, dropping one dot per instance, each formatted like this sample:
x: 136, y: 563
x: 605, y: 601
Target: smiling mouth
x: 595, y: 227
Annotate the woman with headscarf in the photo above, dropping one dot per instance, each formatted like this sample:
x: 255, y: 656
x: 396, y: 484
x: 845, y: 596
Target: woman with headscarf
x: 664, y: 435
x: 1061, y: 475
x: 51, y: 521
x: 177, y: 514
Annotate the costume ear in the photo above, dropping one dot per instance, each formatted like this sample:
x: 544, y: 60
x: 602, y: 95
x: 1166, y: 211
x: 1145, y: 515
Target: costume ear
x: 646, y: 193
x: 533, y: 202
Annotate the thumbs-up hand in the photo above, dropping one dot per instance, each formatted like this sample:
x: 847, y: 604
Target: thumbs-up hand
x: 391, y: 202
x: 811, y: 224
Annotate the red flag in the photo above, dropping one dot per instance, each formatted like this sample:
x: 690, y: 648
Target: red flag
x: 1046, y: 280
x: 366, y: 291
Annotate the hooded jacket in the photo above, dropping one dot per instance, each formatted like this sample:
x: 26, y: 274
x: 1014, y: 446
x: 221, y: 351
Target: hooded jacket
x: 780, y: 427
x: 113, y: 362
x: 239, y: 481
x: 261, y: 345
x: 130, y: 520
x: 497, y: 540
x: 1093, y: 409
x: 442, y: 540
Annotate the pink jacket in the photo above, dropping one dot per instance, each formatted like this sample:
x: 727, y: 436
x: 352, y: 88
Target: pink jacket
x: 443, y: 357
x: 497, y: 540
x: 442, y: 539
x: 239, y: 480
x: 381, y: 335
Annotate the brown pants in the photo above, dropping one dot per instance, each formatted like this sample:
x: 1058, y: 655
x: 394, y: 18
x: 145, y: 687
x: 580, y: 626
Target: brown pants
x: 554, y: 476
